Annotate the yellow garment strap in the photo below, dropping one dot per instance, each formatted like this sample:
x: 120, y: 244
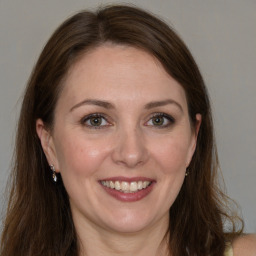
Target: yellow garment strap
x: 229, y: 251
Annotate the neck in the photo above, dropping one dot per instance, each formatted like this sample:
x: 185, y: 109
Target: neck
x: 94, y: 240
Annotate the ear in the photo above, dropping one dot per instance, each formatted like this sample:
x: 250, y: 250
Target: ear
x: 195, y: 131
x: 47, y: 143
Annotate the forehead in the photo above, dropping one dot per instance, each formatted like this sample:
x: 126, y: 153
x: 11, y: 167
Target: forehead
x: 117, y: 72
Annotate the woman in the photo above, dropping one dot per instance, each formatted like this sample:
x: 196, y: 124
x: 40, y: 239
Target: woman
x: 115, y: 152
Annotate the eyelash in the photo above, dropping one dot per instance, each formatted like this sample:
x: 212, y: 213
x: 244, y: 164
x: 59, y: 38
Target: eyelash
x: 169, y: 119
x: 95, y: 115
x: 90, y: 117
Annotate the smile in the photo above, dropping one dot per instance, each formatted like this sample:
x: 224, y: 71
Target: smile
x: 126, y: 187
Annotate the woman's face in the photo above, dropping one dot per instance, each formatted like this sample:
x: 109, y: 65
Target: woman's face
x: 122, y: 139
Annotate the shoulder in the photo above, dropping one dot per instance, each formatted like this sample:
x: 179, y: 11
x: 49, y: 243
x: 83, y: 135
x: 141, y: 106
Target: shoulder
x: 245, y: 245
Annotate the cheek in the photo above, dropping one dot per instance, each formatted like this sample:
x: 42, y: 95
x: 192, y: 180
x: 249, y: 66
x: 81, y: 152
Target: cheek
x: 78, y: 157
x: 172, y: 155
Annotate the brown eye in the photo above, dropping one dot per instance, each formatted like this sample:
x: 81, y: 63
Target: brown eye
x: 158, y: 120
x: 95, y: 121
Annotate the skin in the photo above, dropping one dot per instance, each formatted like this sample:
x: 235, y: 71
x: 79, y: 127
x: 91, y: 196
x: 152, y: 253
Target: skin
x: 128, y: 143
x: 245, y: 245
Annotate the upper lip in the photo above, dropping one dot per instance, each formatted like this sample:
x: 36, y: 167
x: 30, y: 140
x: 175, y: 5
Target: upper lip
x: 127, y: 179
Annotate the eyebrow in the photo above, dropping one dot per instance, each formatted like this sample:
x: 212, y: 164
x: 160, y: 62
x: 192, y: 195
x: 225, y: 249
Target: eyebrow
x: 155, y: 104
x: 108, y: 105
x: 96, y: 102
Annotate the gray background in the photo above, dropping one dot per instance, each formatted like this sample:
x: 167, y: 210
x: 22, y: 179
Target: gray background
x: 221, y: 35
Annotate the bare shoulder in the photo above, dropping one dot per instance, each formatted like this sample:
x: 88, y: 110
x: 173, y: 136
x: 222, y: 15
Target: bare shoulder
x: 245, y: 245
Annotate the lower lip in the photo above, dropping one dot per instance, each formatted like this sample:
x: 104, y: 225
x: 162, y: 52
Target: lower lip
x: 129, y: 197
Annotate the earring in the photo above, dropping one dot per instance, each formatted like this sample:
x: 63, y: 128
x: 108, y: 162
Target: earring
x: 187, y: 172
x: 54, y: 175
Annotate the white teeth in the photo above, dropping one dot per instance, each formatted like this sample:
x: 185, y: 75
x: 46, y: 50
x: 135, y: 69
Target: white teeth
x: 145, y: 184
x: 133, y: 186
x: 117, y: 185
x: 125, y: 186
x: 140, y: 185
x: 112, y: 184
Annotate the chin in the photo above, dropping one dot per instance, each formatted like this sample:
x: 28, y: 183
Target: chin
x: 130, y: 222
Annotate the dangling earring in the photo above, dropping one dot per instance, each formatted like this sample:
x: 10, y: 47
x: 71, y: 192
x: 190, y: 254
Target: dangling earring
x: 54, y: 175
x: 187, y: 172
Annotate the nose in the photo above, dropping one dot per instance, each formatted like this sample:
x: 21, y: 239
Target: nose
x: 130, y: 149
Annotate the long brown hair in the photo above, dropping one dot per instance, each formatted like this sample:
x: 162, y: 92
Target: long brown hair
x: 38, y: 219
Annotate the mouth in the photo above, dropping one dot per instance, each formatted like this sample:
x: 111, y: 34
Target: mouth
x: 128, y: 189
x: 125, y: 186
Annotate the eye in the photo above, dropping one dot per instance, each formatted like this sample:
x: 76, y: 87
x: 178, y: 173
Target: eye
x: 160, y: 120
x: 95, y: 121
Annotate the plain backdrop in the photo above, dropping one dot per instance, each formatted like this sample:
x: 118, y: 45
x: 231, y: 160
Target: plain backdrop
x: 221, y: 35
